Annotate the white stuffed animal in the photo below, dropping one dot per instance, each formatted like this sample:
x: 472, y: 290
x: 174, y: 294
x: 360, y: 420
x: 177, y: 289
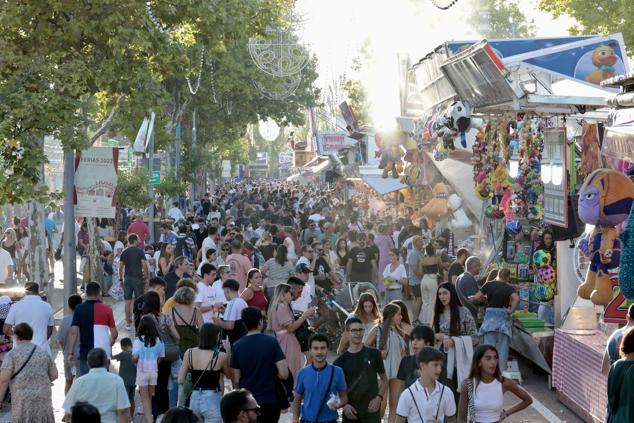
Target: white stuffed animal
x: 459, y: 219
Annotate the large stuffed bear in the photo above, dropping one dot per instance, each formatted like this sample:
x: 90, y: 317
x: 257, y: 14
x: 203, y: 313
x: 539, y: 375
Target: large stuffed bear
x: 459, y: 219
x: 605, y: 200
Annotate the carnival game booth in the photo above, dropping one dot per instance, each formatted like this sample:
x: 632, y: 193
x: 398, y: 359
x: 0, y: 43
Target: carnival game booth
x: 526, y: 116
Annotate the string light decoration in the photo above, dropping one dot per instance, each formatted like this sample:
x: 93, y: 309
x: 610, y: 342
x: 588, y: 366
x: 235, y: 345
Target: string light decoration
x: 160, y: 28
x: 444, y: 7
x: 288, y: 87
x: 192, y: 90
x: 278, y: 55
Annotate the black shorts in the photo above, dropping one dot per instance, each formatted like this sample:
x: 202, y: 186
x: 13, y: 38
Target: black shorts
x: 415, y: 289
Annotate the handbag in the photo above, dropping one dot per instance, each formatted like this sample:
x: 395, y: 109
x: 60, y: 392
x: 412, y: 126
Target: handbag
x: 302, y: 333
x: 172, y: 350
x: 284, y: 390
x: 188, y: 387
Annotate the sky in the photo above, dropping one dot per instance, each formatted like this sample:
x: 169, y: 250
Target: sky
x: 336, y: 29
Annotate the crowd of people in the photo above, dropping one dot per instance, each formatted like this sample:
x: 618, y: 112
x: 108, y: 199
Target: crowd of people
x: 220, y: 311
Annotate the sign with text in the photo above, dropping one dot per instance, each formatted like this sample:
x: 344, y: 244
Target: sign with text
x: 332, y: 142
x: 96, y: 182
x: 285, y: 159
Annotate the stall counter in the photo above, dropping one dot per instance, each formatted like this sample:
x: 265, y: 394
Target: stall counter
x: 577, y: 376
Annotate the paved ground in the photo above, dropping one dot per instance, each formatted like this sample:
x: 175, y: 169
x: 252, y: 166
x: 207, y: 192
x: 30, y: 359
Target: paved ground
x: 545, y: 409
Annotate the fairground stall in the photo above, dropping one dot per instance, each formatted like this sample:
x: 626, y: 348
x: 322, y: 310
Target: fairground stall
x: 516, y: 126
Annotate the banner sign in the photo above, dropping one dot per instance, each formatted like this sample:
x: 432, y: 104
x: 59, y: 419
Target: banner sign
x: 262, y: 157
x: 332, y: 142
x: 96, y: 182
x: 587, y: 59
x: 285, y: 159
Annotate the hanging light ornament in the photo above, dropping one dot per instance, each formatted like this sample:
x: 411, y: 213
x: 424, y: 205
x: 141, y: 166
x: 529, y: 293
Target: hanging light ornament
x: 162, y: 29
x: 287, y: 88
x: 443, y: 7
x: 278, y: 55
x: 192, y: 90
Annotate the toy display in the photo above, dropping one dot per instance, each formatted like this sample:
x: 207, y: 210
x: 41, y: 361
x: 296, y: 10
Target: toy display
x: 437, y: 208
x: 605, y: 200
x: 459, y: 219
x: 626, y: 266
x: 391, y: 154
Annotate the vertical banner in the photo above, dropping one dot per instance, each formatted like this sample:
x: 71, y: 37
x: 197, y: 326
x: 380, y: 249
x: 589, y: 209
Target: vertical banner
x: 96, y: 182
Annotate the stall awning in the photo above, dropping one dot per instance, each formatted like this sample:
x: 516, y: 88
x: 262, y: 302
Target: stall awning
x: 317, y: 165
x: 383, y: 186
x: 459, y: 173
x: 298, y: 177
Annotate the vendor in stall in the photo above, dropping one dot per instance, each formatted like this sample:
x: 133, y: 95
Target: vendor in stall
x: 501, y: 300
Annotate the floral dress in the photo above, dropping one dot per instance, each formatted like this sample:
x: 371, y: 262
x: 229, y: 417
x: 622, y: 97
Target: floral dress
x: 31, y: 399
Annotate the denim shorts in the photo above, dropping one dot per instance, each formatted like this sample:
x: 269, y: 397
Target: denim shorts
x: 132, y: 288
x: 207, y: 404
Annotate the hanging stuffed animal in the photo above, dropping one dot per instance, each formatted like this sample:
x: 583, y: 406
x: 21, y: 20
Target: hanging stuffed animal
x: 591, y: 157
x: 437, y: 208
x: 605, y: 200
x: 459, y: 118
x: 459, y: 219
x: 391, y: 155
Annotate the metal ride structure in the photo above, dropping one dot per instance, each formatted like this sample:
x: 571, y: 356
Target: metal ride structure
x: 280, y: 57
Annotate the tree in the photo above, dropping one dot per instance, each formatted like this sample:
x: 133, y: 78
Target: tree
x: 356, y: 92
x: 495, y: 19
x: 596, y: 16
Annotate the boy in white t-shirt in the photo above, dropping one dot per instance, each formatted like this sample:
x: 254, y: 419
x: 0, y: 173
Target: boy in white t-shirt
x: 427, y: 400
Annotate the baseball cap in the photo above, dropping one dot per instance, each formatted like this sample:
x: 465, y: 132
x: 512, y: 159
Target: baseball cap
x: 302, y: 268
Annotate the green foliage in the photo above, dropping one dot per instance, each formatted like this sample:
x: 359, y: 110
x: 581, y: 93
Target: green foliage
x: 596, y: 16
x: 132, y: 188
x: 494, y: 19
x: 358, y: 97
x: 66, y: 66
x: 171, y: 185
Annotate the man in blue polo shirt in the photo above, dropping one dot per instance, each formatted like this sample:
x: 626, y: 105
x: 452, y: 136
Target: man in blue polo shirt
x: 316, y: 385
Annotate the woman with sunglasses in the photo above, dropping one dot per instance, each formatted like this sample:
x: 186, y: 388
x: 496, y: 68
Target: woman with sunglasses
x: 221, y: 259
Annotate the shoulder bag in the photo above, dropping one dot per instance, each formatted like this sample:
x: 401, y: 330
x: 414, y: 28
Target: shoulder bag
x: 284, y: 389
x: 172, y: 350
x: 13, y: 376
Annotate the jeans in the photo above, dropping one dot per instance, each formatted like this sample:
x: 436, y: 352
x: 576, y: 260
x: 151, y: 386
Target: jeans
x: 501, y: 342
x: 83, y: 367
x: 545, y: 312
x: 207, y: 404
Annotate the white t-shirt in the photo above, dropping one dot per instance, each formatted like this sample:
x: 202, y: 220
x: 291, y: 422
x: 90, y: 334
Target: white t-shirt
x: 176, y: 214
x: 397, y: 275
x: 5, y: 262
x: 311, y: 277
x: 207, y: 244
x: 219, y: 293
x: 37, y: 313
x: 428, y: 403
x: 233, y: 312
x: 206, y: 297
x: 304, y: 300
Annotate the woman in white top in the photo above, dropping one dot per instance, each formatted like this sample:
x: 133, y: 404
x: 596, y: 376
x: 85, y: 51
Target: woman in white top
x: 394, y: 277
x: 482, y: 394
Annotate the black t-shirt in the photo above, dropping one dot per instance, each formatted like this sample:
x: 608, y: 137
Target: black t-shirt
x: 361, y: 371
x: 498, y: 293
x: 267, y: 251
x: 321, y: 266
x: 456, y: 269
x: 408, y: 370
x: 171, y: 279
x: 255, y: 356
x: 361, y: 267
x: 132, y: 259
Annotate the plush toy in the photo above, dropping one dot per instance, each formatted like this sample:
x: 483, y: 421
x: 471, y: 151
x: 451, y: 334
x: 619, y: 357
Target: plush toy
x: 391, y: 156
x: 459, y: 219
x: 459, y: 117
x: 436, y: 208
x: 605, y: 200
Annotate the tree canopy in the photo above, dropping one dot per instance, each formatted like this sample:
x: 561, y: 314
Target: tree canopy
x: 494, y: 19
x: 595, y: 16
x: 77, y: 70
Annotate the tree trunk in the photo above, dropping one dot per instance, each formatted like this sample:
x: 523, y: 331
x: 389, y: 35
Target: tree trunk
x: 38, y: 245
x: 94, y: 255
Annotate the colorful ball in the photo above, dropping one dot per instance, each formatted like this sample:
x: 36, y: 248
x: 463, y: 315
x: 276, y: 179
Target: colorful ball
x: 547, y: 275
x: 541, y: 258
x: 544, y: 292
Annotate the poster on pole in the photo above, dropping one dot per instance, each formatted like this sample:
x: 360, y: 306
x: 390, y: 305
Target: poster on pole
x: 96, y: 182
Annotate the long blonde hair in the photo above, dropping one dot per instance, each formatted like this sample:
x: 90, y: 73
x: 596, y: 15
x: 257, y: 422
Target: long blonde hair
x: 280, y: 290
